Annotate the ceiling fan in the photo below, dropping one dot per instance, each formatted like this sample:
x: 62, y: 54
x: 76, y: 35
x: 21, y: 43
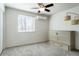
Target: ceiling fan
x: 43, y: 7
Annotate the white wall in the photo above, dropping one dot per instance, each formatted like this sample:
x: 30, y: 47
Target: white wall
x: 57, y: 23
x: 1, y: 27
x: 14, y: 38
x: 1, y: 34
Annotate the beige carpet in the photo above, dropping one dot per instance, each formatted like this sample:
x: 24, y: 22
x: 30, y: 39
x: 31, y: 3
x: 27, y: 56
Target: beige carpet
x: 41, y: 49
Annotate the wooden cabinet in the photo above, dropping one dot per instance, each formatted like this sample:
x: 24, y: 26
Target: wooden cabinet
x: 64, y: 39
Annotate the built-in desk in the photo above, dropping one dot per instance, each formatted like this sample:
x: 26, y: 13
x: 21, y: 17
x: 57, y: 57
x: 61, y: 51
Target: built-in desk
x: 63, y: 39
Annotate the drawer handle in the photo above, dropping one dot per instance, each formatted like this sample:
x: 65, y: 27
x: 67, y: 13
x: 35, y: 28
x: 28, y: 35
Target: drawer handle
x: 56, y: 33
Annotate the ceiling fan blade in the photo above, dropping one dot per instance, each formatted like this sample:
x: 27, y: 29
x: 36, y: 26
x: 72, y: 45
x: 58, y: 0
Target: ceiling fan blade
x: 38, y: 11
x: 49, y: 5
x: 40, y: 5
x: 35, y: 8
x: 47, y: 10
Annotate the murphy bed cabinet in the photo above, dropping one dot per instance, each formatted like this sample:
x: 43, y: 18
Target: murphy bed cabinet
x: 63, y: 39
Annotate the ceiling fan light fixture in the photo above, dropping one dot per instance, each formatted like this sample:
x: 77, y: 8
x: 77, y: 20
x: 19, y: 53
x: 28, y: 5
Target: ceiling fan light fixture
x: 42, y: 9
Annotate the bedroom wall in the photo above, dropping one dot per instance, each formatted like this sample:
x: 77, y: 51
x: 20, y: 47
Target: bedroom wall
x: 15, y: 38
x: 1, y: 26
x: 57, y: 23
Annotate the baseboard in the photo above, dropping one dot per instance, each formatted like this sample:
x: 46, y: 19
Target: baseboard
x: 27, y: 44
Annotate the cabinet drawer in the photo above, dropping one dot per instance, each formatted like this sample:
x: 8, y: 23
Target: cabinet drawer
x: 64, y: 37
x: 63, y: 46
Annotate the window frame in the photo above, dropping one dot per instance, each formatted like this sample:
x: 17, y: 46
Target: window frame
x: 22, y: 23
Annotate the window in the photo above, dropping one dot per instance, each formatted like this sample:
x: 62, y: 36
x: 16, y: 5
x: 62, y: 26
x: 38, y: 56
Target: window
x: 26, y: 23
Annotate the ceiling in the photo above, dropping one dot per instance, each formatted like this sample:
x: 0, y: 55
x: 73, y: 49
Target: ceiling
x: 58, y: 7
